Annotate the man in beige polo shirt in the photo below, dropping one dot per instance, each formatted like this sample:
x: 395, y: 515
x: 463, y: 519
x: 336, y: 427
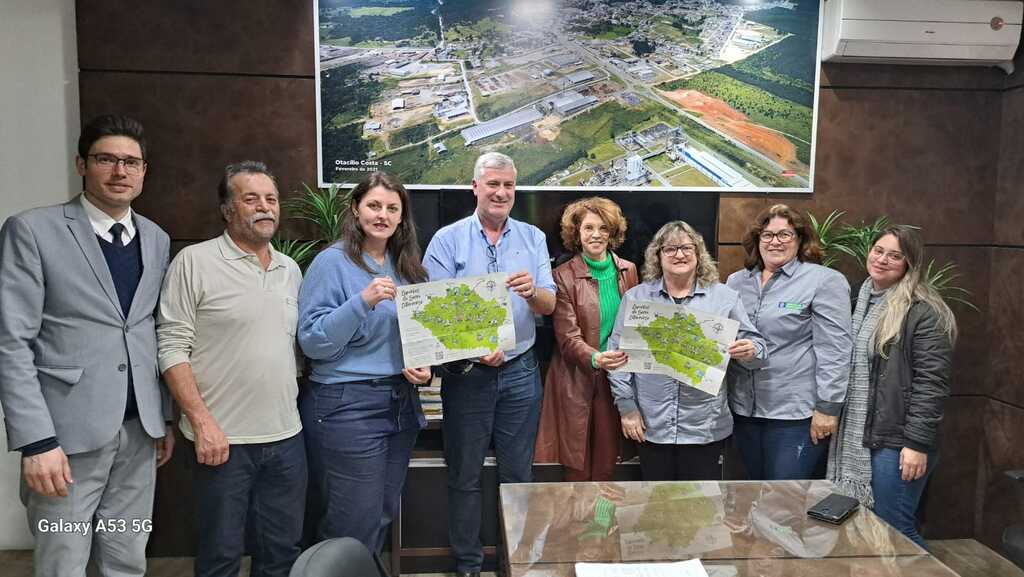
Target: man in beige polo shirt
x: 226, y: 335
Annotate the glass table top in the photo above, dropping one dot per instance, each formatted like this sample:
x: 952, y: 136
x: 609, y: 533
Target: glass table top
x: 739, y: 528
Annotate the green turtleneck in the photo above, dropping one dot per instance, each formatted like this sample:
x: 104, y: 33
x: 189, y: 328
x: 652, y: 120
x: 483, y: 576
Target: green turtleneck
x: 608, y: 292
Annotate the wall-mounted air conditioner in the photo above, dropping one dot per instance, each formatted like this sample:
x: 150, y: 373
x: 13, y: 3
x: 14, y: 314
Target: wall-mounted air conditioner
x: 937, y: 32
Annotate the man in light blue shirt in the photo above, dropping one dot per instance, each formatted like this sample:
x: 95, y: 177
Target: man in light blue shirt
x: 496, y: 396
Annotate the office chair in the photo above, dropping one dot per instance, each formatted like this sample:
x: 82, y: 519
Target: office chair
x: 1013, y: 536
x: 341, y: 557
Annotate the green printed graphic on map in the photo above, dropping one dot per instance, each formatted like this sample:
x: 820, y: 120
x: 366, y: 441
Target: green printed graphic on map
x: 679, y: 342
x: 461, y: 319
x: 675, y: 513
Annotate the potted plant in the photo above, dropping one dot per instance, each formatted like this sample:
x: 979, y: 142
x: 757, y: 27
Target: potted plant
x: 320, y: 206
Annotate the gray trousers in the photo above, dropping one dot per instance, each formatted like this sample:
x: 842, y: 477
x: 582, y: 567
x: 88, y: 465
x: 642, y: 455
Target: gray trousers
x: 107, y: 512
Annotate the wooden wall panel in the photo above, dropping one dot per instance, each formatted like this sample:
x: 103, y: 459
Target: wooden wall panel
x: 1000, y: 500
x: 256, y: 37
x: 894, y: 152
x: 1009, y: 200
x: 1006, y: 319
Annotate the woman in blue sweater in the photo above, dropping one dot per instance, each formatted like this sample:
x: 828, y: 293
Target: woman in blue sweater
x: 361, y: 412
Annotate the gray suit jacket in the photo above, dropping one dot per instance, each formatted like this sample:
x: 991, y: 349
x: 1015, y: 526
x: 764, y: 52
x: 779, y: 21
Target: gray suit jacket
x: 64, y: 341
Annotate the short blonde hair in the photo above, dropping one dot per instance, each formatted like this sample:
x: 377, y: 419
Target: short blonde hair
x: 605, y: 209
x: 707, y: 268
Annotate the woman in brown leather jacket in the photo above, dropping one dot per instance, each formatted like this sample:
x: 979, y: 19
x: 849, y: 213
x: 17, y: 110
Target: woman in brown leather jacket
x: 579, y: 426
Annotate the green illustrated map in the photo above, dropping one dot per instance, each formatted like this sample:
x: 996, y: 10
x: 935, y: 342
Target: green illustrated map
x: 673, y: 340
x: 675, y: 513
x: 676, y: 519
x: 454, y: 319
x: 680, y: 343
x: 461, y: 319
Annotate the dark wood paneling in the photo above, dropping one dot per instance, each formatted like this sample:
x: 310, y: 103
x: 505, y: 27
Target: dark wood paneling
x: 888, y: 152
x: 174, y: 533
x: 972, y: 357
x: 267, y: 37
x: 945, y: 151
x: 948, y: 505
x: 1009, y: 201
x: 1001, y: 500
x: 196, y: 125
x: 930, y: 77
x: 1006, y: 317
x: 730, y: 260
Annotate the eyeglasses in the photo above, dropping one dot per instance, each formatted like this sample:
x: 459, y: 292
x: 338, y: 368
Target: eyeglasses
x: 784, y: 236
x: 879, y: 252
x: 686, y: 249
x: 492, y: 253
x: 132, y: 165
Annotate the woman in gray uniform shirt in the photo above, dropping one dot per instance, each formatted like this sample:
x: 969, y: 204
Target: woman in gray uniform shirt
x: 681, y: 429
x: 784, y: 410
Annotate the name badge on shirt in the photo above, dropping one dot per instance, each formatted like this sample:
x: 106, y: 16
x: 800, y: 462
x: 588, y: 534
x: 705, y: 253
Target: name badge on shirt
x: 792, y: 306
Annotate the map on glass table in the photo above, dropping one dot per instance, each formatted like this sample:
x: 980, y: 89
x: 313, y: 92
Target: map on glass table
x: 687, y: 345
x: 454, y: 319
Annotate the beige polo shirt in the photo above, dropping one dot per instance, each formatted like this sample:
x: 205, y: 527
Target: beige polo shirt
x: 235, y: 323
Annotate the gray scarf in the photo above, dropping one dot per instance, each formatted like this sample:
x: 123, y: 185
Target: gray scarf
x: 849, y: 461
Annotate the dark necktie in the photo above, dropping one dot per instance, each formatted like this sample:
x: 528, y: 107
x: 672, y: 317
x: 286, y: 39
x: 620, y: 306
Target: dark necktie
x: 116, y: 230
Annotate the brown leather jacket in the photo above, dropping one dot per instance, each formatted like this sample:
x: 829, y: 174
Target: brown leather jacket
x: 569, y: 388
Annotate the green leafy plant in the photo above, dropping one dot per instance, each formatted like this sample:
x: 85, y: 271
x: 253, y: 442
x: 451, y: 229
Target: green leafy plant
x: 943, y: 280
x: 855, y: 241
x: 321, y: 206
x: 301, y: 251
x: 827, y: 232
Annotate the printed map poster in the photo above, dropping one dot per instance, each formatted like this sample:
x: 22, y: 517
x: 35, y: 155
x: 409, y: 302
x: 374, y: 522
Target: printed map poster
x: 669, y: 339
x: 604, y: 94
x: 454, y: 319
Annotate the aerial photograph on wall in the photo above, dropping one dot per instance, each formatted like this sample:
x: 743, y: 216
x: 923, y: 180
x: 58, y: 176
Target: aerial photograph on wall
x: 610, y: 94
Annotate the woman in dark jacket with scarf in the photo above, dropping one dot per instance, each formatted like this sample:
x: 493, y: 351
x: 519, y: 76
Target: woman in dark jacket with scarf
x: 903, y: 332
x: 579, y: 426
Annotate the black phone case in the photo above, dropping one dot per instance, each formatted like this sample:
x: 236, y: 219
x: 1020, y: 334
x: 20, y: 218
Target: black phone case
x: 834, y: 508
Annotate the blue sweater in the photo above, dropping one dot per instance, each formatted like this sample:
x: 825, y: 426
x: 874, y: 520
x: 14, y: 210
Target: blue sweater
x: 345, y: 340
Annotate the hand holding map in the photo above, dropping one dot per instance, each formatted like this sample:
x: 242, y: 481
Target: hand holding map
x: 454, y: 319
x: 687, y: 345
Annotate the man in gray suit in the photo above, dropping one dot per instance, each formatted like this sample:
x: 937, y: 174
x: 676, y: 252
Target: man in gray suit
x: 82, y: 400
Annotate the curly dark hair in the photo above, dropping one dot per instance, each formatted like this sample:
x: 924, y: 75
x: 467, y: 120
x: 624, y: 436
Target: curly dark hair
x: 809, y: 250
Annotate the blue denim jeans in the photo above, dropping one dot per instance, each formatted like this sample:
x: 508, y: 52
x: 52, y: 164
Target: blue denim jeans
x: 261, y: 486
x: 482, y: 405
x: 360, y: 436
x: 777, y: 449
x: 896, y: 500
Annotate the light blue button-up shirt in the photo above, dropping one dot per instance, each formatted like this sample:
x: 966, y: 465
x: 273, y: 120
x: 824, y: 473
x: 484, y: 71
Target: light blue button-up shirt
x: 803, y: 311
x: 462, y: 249
x: 674, y: 413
